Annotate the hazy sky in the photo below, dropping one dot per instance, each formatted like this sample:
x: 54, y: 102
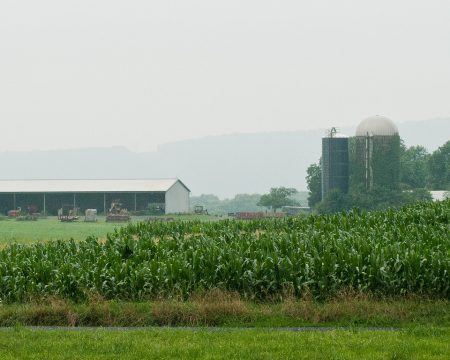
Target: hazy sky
x: 138, y: 73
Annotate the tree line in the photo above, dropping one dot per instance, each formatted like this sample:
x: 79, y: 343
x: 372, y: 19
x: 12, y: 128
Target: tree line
x: 420, y: 172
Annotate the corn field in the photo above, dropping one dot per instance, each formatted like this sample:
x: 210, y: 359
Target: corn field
x: 392, y: 252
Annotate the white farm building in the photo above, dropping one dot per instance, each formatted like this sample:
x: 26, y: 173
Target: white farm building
x: 168, y: 195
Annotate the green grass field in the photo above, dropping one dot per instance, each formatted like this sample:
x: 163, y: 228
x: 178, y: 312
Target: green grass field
x: 50, y: 228
x: 25, y: 232
x: 166, y: 343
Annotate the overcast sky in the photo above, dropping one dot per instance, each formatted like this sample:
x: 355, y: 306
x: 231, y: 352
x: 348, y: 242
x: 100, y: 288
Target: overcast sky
x: 138, y: 73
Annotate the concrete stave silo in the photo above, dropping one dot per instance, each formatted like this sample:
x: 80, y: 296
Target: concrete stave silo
x: 375, y: 155
x: 334, y: 163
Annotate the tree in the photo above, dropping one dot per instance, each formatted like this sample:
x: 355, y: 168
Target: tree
x: 314, y: 183
x: 439, y: 168
x: 277, y: 198
x: 413, y: 167
x: 381, y: 198
x: 241, y: 202
x: 416, y: 195
x: 334, y: 201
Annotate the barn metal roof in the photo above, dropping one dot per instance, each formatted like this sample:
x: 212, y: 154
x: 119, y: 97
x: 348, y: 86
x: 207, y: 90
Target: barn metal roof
x: 78, y: 186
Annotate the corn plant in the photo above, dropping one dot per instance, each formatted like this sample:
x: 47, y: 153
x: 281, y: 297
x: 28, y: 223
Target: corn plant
x: 387, y: 253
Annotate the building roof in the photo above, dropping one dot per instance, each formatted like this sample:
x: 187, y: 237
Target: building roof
x: 377, y: 126
x: 440, y: 195
x: 78, y: 186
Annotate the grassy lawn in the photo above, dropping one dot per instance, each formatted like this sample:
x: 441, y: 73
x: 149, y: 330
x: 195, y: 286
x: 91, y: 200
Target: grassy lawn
x: 23, y: 232
x: 50, y: 228
x: 417, y: 343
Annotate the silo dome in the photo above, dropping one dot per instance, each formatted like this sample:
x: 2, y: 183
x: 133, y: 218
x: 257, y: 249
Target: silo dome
x: 377, y: 126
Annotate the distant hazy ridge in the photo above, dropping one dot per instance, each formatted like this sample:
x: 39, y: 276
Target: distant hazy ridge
x: 222, y: 165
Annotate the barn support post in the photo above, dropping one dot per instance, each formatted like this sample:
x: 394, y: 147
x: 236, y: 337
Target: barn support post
x: 45, y: 211
x: 74, y: 201
x: 104, y: 204
x: 135, y: 202
x: 14, y: 201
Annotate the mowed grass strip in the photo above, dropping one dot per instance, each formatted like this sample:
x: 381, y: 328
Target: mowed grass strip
x: 229, y: 310
x: 419, y: 343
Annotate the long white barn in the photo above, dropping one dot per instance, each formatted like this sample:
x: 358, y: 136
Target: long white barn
x: 169, y: 195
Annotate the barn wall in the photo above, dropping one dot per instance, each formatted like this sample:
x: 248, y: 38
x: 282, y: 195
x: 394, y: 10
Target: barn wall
x: 177, y: 199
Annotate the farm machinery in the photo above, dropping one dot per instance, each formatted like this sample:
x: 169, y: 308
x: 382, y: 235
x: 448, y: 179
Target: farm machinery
x: 90, y: 215
x: 68, y: 213
x: 200, y: 210
x: 14, y: 213
x: 257, y: 215
x: 117, y: 213
x: 20, y: 215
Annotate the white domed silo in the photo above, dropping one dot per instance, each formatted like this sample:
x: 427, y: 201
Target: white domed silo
x: 376, y: 157
x: 376, y: 126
